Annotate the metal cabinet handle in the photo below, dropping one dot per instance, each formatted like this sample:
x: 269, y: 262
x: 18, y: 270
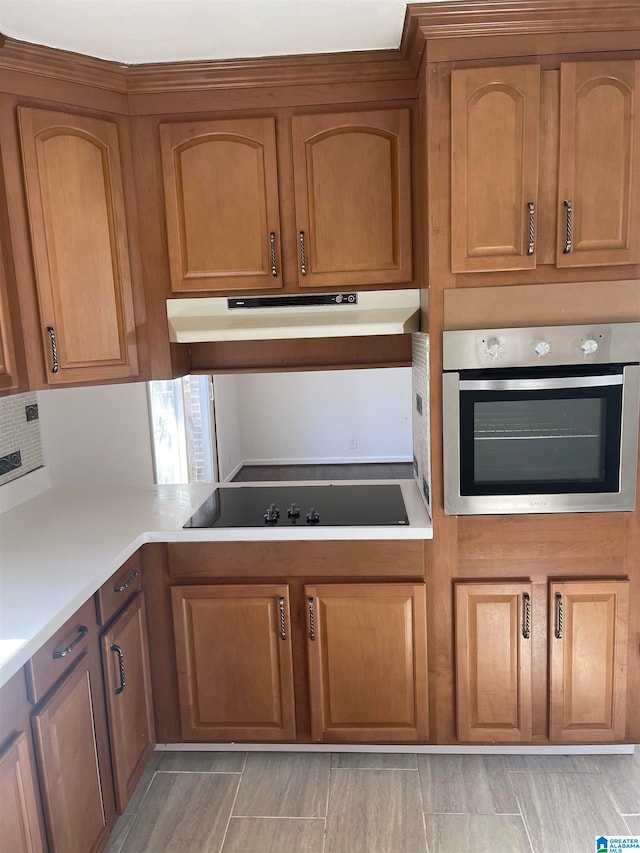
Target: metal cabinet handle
x: 303, y: 254
x: 532, y: 228
x: 568, y: 245
x: 55, y: 364
x: 62, y: 653
x: 526, y: 616
x: 272, y: 251
x: 133, y: 574
x: 115, y: 648
x: 312, y: 619
x: 559, y: 616
x: 283, y: 627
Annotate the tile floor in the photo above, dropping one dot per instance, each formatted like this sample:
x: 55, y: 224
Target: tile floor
x: 278, y: 802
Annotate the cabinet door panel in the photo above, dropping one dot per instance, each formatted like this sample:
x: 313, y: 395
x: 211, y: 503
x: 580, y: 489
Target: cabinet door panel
x: 125, y: 658
x: 221, y: 198
x: 65, y: 739
x: 588, y: 628
x: 495, y: 126
x: 78, y: 230
x: 599, y: 163
x: 353, y: 197
x: 235, y: 668
x: 493, y: 661
x: 8, y: 373
x: 19, y: 826
x: 367, y: 662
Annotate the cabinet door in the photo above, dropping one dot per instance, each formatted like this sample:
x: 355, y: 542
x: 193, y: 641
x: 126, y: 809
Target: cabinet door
x: 221, y: 198
x: 125, y: 660
x: 67, y: 753
x: 367, y: 647
x: 235, y: 671
x: 588, y: 628
x: 495, y: 127
x: 353, y: 198
x: 493, y: 661
x: 19, y: 825
x: 8, y: 371
x: 599, y: 172
x: 78, y: 231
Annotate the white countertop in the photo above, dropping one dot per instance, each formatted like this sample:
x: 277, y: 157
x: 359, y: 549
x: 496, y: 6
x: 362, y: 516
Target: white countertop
x: 58, y: 548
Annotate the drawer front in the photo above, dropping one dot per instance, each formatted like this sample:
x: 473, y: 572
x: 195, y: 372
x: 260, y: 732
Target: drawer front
x: 60, y: 652
x: 119, y: 589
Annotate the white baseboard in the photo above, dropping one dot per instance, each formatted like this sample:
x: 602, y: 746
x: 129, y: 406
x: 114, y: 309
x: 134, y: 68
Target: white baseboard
x: 233, y: 472
x: 331, y: 460
x: 421, y: 749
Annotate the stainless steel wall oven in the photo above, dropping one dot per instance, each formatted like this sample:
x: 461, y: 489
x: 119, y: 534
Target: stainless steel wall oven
x: 541, y: 419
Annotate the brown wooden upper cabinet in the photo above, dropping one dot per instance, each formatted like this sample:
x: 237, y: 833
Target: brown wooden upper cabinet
x: 508, y: 130
x: 8, y: 370
x: 352, y: 197
x: 75, y: 197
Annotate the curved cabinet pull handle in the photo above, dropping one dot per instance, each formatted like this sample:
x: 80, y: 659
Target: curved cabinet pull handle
x: 116, y: 648
x: 283, y: 627
x: 526, y: 616
x: 559, y: 616
x: 303, y: 254
x: 62, y: 653
x: 55, y: 364
x: 568, y: 245
x: 133, y: 574
x: 272, y: 252
x: 532, y: 228
x: 312, y: 618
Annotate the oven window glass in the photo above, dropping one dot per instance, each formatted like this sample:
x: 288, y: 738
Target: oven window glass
x: 540, y: 442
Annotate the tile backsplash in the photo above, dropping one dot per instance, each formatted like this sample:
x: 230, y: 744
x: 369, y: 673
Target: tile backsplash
x: 20, y: 444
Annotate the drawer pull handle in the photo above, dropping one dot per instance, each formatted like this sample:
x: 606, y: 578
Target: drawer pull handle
x: 532, y: 228
x: 568, y: 245
x: 62, y: 653
x: 115, y: 648
x: 55, y: 365
x: 312, y: 618
x: 559, y: 616
x: 303, y: 254
x: 283, y: 628
x: 526, y: 616
x: 272, y: 252
x: 133, y: 574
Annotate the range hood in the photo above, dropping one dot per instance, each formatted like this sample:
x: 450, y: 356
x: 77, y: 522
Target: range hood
x: 310, y: 315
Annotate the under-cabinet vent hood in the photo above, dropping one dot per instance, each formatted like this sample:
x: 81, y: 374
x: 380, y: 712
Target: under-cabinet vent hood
x: 311, y: 315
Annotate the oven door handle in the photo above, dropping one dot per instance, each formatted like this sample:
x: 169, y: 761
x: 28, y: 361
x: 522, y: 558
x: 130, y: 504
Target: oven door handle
x: 544, y: 384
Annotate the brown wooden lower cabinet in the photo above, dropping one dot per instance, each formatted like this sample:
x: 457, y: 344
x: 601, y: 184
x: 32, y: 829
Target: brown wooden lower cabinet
x: 588, y: 630
x: 235, y: 671
x: 367, y: 648
x: 125, y: 660
x: 19, y: 821
x: 493, y: 661
x: 65, y: 729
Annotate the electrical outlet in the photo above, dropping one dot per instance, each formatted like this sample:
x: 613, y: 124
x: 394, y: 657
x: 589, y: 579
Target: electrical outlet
x: 353, y: 442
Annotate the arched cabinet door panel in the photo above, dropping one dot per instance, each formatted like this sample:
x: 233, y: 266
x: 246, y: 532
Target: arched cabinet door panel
x: 599, y: 174
x: 75, y: 197
x: 495, y: 128
x: 221, y: 201
x: 353, y: 198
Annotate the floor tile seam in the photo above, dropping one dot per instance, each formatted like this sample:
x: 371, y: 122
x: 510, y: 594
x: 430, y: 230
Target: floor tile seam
x: 272, y: 817
x: 143, y: 798
x: 233, y: 804
x: 380, y: 769
x: 558, y: 772
x: 477, y: 814
x: 523, y: 819
x: 424, y: 819
x: 204, y: 772
x: 126, y: 833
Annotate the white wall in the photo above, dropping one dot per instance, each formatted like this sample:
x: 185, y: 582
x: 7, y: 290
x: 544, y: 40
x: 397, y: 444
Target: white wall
x: 96, y: 436
x: 314, y: 417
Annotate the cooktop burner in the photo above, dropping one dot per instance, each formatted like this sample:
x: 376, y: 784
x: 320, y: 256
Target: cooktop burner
x: 285, y: 506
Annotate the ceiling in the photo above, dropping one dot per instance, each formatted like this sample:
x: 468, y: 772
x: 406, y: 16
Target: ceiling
x: 134, y: 31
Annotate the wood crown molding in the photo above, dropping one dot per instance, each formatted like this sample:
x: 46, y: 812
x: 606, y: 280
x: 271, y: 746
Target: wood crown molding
x: 424, y: 23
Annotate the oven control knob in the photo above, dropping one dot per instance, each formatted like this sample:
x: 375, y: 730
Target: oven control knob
x: 589, y: 347
x: 494, y: 348
x: 272, y: 515
x: 293, y: 511
x: 312, y: 516
x: 542, y: 348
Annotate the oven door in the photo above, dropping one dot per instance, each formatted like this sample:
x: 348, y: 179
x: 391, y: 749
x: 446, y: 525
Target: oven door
x: 540, y: 443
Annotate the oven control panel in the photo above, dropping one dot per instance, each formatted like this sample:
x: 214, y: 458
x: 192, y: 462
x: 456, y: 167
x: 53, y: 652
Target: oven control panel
x: 535, y: 346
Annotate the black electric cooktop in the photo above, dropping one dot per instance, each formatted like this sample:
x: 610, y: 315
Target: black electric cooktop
x: 309, y: 506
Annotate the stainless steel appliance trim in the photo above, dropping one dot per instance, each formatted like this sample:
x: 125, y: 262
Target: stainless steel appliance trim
x: 547, y: 384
